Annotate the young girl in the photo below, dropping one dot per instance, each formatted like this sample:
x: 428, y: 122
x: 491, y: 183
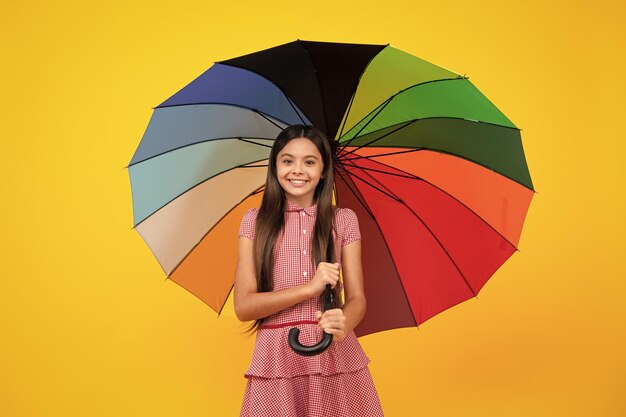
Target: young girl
x: 289, y: 249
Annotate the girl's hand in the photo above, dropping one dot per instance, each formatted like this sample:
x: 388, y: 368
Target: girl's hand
x: 326, y: 273
x: 333, y: 322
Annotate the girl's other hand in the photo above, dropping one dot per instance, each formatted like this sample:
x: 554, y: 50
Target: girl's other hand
x: 326, y: 273
x: 333, y: 322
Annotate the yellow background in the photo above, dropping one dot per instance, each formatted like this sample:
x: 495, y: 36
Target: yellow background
x: 90, y: 327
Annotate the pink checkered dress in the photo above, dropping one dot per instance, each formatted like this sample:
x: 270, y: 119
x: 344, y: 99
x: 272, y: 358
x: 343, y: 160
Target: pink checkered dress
x: 281, y: 383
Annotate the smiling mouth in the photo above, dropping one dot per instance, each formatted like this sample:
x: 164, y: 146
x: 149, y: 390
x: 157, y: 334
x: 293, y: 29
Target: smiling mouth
x: 297, y: 182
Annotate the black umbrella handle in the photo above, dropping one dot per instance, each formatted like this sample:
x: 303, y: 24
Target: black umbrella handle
x: 323, y: 344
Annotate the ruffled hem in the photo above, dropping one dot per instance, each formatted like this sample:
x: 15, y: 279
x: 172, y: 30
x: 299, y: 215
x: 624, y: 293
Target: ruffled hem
x: 273, y: 358
x: 350, y: 394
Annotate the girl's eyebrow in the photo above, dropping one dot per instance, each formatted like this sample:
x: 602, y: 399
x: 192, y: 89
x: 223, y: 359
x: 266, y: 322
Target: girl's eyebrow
x: 291, y: 156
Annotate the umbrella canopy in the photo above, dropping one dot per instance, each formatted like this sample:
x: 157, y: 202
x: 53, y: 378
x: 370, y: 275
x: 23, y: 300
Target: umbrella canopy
x: 434, y: 171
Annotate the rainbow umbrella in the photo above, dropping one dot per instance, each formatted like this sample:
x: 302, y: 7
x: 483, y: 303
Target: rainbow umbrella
x: 434, y: 171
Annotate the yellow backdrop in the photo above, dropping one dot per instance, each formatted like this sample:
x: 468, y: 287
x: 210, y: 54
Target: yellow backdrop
x: 90, y: 326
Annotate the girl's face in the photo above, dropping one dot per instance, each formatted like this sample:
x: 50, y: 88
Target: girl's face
x: 299, y: 167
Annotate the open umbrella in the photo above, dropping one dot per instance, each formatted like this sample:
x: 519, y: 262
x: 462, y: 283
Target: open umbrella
x: 434, y: 171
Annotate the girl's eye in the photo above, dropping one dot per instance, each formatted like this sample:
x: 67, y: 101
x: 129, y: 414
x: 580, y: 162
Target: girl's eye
x: 286, y: 161
x: 310, y: 162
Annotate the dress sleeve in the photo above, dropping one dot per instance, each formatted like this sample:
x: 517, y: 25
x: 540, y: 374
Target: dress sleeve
x: 351, y: 231
x: 247, y: 223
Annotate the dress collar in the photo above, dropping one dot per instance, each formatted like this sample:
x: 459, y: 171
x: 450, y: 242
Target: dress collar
x: 311, y: 211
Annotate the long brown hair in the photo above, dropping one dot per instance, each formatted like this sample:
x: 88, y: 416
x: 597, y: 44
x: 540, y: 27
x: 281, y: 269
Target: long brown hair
x: 270, y: 220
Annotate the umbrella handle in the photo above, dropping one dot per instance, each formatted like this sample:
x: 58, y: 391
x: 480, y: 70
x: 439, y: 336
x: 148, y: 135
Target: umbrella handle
x: 323, y: 344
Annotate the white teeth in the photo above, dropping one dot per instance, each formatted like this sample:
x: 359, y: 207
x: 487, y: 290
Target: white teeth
x: 297, y: 182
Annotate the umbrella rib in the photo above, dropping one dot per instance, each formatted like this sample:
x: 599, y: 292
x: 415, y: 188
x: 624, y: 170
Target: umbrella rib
x: 270, y: 81
x: 219, y: 103
x: 375, y: 140
x: 254, y: 143
x: 398, y: 199
x: 405, y: 174
x: 293, y: 106
x: 253, y: 166
x: 388, y: 194
x: 319, y: 87
x: 412, y: 121
x: 358, y: 196
x: 345, y: 117
x: 376, y: 155
x: 200, y: 141
x: 384, y: 103
x: 415, y: 177
x: 354, y: 90
x: 361, y: 200
x: 204, y: 180
x: 380, y: 108
x: 260, y: 113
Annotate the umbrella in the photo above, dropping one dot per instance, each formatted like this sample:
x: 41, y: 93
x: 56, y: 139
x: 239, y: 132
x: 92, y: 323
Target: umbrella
x: 434, y: 171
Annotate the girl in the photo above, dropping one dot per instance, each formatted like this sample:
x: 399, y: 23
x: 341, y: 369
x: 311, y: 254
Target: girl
x: 289, y: 249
